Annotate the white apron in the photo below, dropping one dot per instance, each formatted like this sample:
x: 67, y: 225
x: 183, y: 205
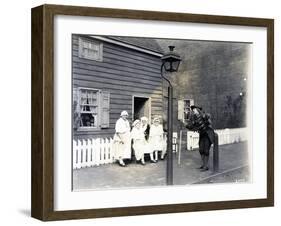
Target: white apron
x: 156, y: 137
x: 122, y: 141
x: 140, y: 145
x: 122, y: 147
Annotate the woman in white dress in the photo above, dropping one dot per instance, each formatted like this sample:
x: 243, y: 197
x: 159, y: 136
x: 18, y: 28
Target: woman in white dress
x: 121, y: 139
x: 139, y: 143
x: 145, y: 127
x: 156, y: 138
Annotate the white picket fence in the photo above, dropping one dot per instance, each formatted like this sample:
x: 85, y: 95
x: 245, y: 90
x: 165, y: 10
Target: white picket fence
x: 226, y: 136
x: 99, y: 151
x: 92, y: 152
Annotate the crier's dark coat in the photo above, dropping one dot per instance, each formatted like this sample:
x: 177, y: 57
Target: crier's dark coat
x: 211, y: 134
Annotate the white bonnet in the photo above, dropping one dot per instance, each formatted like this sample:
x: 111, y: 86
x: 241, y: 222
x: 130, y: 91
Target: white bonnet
x: 123, y: 113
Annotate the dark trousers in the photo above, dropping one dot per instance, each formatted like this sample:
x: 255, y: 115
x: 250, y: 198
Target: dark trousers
x: 204, y: 144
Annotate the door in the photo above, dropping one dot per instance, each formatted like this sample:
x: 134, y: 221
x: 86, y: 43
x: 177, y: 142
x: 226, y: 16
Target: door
x: 141, y: 107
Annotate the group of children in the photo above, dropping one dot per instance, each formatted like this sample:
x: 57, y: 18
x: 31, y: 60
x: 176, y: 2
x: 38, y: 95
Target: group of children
x: 142, y: 139
x: 148, y: 139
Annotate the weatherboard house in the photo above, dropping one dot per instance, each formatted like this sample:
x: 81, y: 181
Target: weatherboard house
x: 112, y: 74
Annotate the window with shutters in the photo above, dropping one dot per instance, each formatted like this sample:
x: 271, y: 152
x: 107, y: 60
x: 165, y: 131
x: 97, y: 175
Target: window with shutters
x: 184, y: 108
x: 92, y: 108
x: 91, y: 50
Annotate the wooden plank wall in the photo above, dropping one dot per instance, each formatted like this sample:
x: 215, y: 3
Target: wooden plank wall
x: 123, y: 72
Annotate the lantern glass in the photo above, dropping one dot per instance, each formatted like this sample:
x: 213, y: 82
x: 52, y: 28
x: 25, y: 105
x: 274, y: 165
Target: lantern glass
x: 171, y: 65
x: 175, y: 65
x: 171, y: 60
x: 167, y: 66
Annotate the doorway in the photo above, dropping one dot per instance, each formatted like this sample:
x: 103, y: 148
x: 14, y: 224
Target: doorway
x: 141, y: 107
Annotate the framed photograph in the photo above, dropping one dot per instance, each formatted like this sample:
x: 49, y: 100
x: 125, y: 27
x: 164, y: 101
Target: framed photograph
x: 141, y: 112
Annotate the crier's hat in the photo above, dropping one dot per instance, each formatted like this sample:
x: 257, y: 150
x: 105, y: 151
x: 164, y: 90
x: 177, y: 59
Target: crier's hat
x: 193, y: 106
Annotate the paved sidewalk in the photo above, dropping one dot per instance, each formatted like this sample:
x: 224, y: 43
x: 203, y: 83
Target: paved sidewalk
x: 232, y: 158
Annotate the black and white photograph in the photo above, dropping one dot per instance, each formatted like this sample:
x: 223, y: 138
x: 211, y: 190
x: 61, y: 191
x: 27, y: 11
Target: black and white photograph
x: 149, y: 112
x: 152, y: 112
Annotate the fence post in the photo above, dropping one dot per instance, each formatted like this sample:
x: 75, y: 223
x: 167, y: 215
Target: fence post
x: 84, y: 154
x: 75, y: 155
x: 102, y: 150
x: 216, y: 153
x: 107, y: 150
x: 94, y: 149
x: 89, y: 153
x: 92, y: 144
x: 79, y: 154
x: 111, y: 152
x: 189, y: 141
x: 179, y: 156
x: 97, y: 151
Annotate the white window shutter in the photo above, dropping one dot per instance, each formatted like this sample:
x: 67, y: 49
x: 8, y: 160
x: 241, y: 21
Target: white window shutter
x: 75, y: 94
x: 80, y: 48
x: 75, y: 99
x: 75, y: 109
x: 105, y: 102
x: 180, y: 109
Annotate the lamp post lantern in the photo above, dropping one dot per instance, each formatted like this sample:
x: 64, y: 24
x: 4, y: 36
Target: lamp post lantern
x: 170, y: 62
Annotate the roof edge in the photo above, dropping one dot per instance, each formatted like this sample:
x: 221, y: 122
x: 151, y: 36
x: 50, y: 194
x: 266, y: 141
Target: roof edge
x: 130, y: 46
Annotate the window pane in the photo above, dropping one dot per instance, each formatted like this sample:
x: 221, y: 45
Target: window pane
x: 88, y: 108
x: 86, y: 44
x: 187, y: 104
x: 93, y: 110
x: 96, y: 48
x: 88, y: 120
x: 86, y: 52
x: 91, y: 50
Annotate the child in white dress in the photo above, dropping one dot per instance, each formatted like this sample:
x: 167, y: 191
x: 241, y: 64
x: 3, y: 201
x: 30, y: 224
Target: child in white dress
x: 139, y: 142
x: 145, y: 127
x: 156, y: 138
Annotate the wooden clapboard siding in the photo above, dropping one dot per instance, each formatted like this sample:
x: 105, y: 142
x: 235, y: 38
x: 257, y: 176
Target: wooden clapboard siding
x: 87, y: 75
x: 115, y: 73
x: 118, y: 50
x: 120, y: 66
x: 123, y: 72
x: 108, y: 86
x: 104, y: 73
x: 121, y: 60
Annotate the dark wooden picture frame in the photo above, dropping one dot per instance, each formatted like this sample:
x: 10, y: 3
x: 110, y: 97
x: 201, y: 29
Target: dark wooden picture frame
x: 43, y: 117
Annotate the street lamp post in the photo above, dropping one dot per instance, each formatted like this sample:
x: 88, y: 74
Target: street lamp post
x: 170, y: 62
